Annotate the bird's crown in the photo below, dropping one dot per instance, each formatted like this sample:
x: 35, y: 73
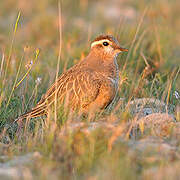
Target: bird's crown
x: 104, y: 38
x: 105, y: 41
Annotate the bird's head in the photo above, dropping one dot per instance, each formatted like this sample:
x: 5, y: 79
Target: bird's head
x: 107, y: 46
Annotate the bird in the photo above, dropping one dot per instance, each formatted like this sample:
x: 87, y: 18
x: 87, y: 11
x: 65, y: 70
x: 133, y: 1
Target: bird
x: 90, y: 85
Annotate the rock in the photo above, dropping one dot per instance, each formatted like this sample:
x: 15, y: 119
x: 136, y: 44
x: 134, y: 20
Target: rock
x: 158, y: 124
x: 87, y: 127
x: 152, y: 144
x: 15, y: 168
x: 163, y: 172
x: 15, y: 173
x: 145, y: 106
x: 154, y: 150
x: 21, y: 160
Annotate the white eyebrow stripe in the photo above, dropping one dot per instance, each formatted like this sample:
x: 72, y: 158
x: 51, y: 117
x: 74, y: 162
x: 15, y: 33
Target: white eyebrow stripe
x: 99, y: 42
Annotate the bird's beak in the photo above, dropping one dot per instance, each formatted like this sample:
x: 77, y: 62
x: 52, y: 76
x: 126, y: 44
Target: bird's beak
x: 120, y: 49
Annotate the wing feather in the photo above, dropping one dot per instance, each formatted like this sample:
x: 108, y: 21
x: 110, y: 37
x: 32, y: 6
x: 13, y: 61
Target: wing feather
x: 79, y: 86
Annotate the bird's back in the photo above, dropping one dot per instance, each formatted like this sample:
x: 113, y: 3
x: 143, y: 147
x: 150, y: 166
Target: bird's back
x: 77, y: 87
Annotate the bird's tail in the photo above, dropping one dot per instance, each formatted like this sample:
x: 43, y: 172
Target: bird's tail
x: 39, y: 110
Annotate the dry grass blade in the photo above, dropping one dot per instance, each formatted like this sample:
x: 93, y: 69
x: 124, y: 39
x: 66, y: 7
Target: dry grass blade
x: 59, y: 58
x: 117, y: 132
x: 2, y: 63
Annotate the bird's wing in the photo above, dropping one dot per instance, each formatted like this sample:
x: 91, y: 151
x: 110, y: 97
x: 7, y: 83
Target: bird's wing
x: 78, y: 87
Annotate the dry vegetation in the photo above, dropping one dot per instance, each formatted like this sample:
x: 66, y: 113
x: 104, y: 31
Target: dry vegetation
x: 140, y: 138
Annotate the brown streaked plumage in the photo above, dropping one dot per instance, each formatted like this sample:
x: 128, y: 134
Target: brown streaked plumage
x: 89, y: 85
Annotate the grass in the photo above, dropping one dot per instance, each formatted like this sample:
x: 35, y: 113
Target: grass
x: 150, y: 29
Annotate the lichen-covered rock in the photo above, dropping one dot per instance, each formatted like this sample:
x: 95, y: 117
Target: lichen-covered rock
x: 157, y: 124
x: 145, y: 106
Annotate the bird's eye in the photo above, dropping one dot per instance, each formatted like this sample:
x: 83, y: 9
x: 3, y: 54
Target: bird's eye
x: 105, y: 43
